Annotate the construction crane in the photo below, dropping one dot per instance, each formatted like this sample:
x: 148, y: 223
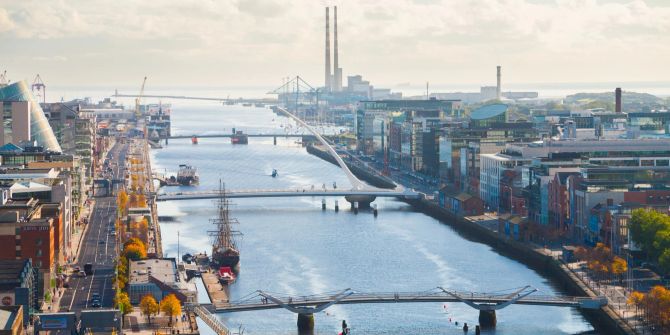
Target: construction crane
x: 139, y: 98
x: 39, y: 89
x: 3, y: 79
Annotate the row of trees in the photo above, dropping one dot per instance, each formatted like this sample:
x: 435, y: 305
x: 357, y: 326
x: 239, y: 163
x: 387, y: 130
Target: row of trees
x: 170, y: 305
x: 650, y: 231
x: 655, y: 306
x: 602, y: 261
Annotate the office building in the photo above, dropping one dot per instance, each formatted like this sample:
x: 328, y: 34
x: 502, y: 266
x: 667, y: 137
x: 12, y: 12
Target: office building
x: 23, y: 118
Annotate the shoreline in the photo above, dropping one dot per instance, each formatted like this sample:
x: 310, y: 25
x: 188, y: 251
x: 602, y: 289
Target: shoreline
x: 603, y: 320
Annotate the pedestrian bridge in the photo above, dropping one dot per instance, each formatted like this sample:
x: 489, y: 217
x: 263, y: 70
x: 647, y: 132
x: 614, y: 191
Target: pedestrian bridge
x: 278, y: 193
x: 487, y: 303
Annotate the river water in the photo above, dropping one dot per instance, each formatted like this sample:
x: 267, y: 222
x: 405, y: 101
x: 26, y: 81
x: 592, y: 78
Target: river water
x: 291, y: 246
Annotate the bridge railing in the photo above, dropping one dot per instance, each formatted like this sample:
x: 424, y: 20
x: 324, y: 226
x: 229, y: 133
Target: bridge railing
x: 405, y: 296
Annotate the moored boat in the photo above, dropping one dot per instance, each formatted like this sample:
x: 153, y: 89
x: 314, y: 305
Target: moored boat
x: 187, y: 175
x: 224, y: 247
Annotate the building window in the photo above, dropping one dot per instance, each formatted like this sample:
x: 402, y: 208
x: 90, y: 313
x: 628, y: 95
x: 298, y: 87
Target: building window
x: 39, y: 253
x: 7, y: 121
x: 38, y: 241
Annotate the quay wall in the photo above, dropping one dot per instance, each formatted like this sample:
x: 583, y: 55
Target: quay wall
x: 605, y: 319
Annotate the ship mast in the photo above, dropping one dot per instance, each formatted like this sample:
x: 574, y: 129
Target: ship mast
x: 223, y: 236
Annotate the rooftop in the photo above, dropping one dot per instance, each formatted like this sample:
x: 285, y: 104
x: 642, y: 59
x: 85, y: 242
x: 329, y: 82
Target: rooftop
x: 164, y: 270
x: 488, y: 111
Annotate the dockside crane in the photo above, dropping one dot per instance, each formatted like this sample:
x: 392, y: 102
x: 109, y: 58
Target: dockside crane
x: 139, y: 98
x: 3, y: 79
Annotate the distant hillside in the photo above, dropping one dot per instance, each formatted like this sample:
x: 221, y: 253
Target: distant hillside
x: 608, y: 97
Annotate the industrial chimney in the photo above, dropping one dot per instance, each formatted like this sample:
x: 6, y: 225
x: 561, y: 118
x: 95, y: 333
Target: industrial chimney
x: 498, y: 96
x: 328, y: 74
x: 337, y: 82
x: 617, y: 100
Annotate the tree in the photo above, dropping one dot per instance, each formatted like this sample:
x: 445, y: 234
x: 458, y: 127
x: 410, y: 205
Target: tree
x: 134, y: 252
x: 123, y: 303
x: 149, y: 306
x: 122, y: 200
x: 171, y: 306
x: 134, y: 249
x: 122, y: 272
x: 644, y: 228
x: 581, y: 253
x: 664, y: 261
x: 134, y: 240
x: 636, y: 298
x: 619, y: 265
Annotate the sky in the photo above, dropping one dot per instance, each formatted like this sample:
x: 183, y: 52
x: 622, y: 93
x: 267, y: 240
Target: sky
x: 391, y: 43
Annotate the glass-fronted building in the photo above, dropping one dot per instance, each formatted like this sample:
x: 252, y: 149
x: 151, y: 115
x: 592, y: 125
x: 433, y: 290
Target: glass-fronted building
x: 23, y: 119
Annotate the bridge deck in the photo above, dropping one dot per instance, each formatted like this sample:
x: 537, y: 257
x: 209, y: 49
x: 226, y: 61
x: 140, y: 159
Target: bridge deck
x: 366, y: 298
x: 231, y: 135
x: 284, y: 193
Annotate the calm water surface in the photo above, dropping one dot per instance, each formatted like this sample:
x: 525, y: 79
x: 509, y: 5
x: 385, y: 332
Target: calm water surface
x: 291, y: 246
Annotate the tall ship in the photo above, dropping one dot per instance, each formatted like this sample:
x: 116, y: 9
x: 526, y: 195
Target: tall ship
x: 187, y: 175
x: 225, y: 253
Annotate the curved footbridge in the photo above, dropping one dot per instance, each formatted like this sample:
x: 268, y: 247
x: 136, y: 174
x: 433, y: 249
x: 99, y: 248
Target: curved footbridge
x: 486, y: 303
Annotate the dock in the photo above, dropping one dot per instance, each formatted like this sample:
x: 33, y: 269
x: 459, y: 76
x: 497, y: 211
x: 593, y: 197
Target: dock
x: 218, y: 293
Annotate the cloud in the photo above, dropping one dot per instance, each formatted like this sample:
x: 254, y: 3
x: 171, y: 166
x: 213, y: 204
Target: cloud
x: 262, y: 8
x: 6, y: 23
x: 393, y: 41
x: 50, y: 58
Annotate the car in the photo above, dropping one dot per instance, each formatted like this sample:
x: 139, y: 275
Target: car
x: 76, y: 269
x: 113, y: 233
x: 81, y: 274
x: 96, y: 304
x: 101, y: 242
x: 95, y: 296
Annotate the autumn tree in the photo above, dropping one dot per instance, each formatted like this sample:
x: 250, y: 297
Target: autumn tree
x: 134, y: 249
x: 171, y: 306
x: 122, y: 302
x: 636, y: 298
x: 149, y: 306
x: 122, y: 200
x: 122, y: 272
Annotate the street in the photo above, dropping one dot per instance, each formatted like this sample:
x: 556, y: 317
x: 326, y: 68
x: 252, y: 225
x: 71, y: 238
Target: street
x: 98, y: 248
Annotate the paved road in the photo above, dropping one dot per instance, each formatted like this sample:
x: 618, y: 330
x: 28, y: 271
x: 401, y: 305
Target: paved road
x: 98, y: 248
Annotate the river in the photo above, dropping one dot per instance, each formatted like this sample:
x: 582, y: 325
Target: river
x: 291, y: 246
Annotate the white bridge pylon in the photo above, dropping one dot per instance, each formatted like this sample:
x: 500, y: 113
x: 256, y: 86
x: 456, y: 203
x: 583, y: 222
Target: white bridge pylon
x: 356, y: 183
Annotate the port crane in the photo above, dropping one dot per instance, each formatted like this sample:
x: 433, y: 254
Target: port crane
x: 3, y: 79
x: 39, y: 89
x: 139, y: 98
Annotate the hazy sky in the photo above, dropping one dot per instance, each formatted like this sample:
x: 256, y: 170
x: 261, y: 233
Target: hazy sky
x: 258, y: 42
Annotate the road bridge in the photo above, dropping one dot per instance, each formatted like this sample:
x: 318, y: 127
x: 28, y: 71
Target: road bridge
x: 231, y: 135
x: 487, y: 303
x: 279, y: 193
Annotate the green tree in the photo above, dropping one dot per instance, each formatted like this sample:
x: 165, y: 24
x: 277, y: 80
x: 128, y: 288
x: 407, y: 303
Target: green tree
x: 664, y: 261
x: 644, y: 226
